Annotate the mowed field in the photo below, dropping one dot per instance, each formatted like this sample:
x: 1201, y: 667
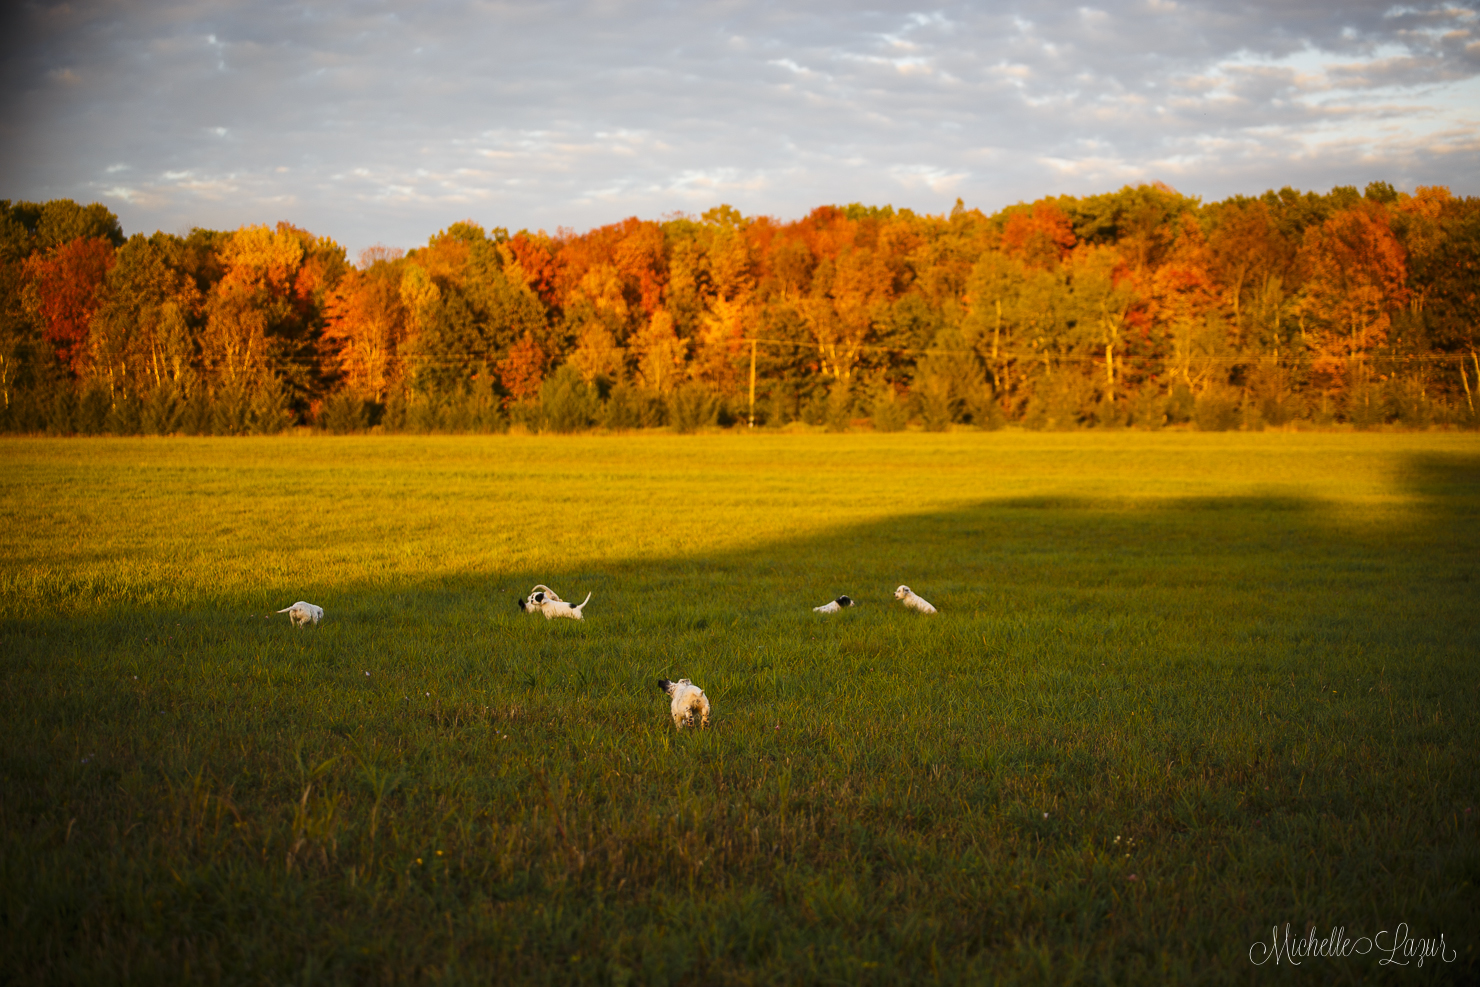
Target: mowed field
x: 1182, y: 688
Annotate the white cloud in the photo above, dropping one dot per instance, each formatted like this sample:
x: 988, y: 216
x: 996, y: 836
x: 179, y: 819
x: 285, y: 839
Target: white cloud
x: 378, y: 122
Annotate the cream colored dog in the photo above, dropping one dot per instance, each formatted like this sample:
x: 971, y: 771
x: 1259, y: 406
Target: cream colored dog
x: 689, y: 702
x: 835, y: 605
x: 907, y: 596
x: 301, y: 613
x: 542, y: 599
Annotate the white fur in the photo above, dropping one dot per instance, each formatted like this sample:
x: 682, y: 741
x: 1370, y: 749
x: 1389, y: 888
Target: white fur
x: 543, y: 599
x: 835, y: 605
x: 907, y: 596
x: 301, y: 613
x: 689, y: 703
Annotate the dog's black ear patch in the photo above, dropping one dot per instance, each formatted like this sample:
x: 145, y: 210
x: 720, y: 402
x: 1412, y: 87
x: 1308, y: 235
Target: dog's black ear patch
x: 664, y: 684
x: 519, y: 603
x: 539, y: 598
x: 843, y: 601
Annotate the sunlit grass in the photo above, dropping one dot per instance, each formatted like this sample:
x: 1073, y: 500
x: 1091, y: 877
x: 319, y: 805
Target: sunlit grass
x: 1253, y: 655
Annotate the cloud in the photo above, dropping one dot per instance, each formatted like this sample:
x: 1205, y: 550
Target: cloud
x: 376, y: 121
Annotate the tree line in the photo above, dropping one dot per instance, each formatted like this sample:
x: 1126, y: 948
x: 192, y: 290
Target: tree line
x: 1141, y: 307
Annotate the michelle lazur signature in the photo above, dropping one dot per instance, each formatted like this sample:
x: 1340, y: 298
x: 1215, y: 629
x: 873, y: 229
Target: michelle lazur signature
x: 1396, y: 947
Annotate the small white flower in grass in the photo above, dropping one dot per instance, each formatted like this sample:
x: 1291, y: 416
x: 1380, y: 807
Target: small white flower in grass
x: 1045, y: 815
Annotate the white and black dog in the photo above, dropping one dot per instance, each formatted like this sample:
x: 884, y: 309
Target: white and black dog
x: 689, y: 703
x: 538, y: 595
x: 543, y: 599
x: 908, y: 597
x: 835, y: 605
x: 302, y: 613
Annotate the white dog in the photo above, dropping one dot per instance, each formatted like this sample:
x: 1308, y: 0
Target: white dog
x: 543, y: 599
x: 688, y: 703
x: 834, y: 606
x: 301, y: 613
x: 912, y: 601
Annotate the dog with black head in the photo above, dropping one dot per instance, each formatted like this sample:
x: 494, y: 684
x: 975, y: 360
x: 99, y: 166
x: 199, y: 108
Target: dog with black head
x: 543, y: 599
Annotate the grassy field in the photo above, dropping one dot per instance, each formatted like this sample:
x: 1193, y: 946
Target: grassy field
x: 1183, y: 688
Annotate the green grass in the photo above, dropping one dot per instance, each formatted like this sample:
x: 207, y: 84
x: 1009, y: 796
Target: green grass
x: 1183, y: 688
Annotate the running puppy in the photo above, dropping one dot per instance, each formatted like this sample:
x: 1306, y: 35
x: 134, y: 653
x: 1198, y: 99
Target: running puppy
x: 834, y: 606
x: 546, y: 602
x: 908, y: 597
x: 301, y: 613
x: 689, y: 702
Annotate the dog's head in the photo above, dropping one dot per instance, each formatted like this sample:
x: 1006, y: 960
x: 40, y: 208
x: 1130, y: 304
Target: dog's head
x: 537, y: 598
x: 669, y: 687
x: 844, y: 601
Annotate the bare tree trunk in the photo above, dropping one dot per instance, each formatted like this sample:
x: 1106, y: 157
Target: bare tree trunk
x: 752, y: 383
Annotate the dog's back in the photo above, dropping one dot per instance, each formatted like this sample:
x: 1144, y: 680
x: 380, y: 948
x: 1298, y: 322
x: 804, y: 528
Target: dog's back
x: 302, y: 612
x: 689, y: 705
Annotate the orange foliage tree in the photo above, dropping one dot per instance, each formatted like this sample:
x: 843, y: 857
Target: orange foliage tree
x: 1355, y: 279
x: 523, y: 369
x: 364, y: 325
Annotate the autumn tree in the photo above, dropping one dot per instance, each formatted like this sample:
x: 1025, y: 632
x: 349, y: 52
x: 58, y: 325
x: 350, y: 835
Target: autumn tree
x: 364, y: 325
x: 62, y: 290
x: 1039, y: 238
x: 140, y: 338
x: 1356, y: 275
x: 660, y: 354
x: 522, y: 370
x: 1185, y: 305
x: 1251, y: 259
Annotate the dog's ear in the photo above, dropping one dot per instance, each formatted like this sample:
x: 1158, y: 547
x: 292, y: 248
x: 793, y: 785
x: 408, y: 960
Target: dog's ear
x: 665, y: 685
x: 539, y: 598
x: 519, y: 602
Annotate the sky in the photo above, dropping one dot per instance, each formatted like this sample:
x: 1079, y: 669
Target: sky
x: 383, y: 122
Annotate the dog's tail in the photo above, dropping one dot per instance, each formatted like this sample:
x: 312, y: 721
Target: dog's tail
x: 286, y: 609
x: 583, y: 602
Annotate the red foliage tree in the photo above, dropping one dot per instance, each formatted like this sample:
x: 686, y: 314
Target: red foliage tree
x: 63, y: 288
x: 1356, y: 278
x: 1040, y: 239
x: 523, y: 370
